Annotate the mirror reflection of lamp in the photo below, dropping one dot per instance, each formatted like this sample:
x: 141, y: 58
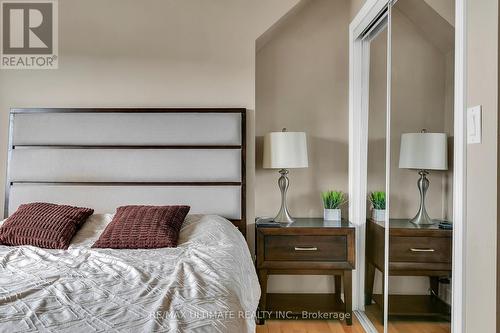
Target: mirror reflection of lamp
x: 423, y: 152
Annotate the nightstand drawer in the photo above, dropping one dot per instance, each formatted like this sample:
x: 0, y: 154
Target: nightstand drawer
x: 420, y: 249
x: 305, y: 247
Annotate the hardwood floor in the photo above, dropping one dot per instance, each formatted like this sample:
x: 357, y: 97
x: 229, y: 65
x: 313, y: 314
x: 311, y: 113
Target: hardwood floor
x: 317, y: 326
x: 309, y: 326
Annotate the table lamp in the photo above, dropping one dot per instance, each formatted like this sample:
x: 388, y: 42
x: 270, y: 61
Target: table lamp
x: 423, y: 152
x: 285, y: 150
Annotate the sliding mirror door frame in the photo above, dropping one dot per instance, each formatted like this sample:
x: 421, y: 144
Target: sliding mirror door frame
x: 358, y: 130
x: 368, y: 19
x: 379, y: 25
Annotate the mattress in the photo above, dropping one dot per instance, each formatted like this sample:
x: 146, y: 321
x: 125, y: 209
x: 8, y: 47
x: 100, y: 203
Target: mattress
x: 207, y: 284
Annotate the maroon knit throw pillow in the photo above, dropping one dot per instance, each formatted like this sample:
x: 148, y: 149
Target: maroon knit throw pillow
x: 143, y: 227
x: 44, y: 225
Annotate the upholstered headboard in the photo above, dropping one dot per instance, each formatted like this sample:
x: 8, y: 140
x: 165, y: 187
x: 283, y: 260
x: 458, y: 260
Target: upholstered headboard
x: 104, y: 158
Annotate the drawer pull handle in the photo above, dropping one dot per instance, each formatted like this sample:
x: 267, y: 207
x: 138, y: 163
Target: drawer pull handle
x: 421, y: 250
x: 309, y: 248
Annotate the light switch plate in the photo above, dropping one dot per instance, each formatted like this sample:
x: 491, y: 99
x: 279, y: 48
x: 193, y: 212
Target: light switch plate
x: 474, y: 124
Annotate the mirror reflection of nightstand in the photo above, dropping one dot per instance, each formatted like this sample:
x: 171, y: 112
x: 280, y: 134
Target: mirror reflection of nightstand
x: 413, y: 251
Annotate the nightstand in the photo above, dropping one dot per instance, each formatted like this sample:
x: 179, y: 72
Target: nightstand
x: 308, y: 246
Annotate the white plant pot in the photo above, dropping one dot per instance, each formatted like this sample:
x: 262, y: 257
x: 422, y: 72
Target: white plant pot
x: 378, y: 214
x: 332, y: 214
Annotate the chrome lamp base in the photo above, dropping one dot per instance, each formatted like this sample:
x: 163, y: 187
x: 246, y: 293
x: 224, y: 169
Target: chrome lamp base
x: 283, y: 215
x: 422, y: 218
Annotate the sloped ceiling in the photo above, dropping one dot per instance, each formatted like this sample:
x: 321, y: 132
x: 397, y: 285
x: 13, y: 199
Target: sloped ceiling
x: 269, y: 33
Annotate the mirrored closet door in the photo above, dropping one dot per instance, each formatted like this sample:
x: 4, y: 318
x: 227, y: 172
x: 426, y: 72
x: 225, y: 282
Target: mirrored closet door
x: 420, y: 176
x: 401, y: 153
x: 376, y: 44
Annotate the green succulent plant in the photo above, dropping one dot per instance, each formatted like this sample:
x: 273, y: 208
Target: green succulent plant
x: 333, y: 199
x: 377, y: 199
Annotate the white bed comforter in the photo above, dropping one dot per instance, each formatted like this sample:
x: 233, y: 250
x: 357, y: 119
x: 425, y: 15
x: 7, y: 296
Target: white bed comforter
x: 206, y: 284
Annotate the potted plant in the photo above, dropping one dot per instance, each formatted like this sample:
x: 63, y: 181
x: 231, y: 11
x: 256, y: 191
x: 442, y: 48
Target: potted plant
x: 332, y: 200
x: 377, y: 200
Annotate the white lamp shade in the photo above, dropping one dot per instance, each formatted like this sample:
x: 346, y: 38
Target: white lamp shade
x: 285, y: 150
x: 424, y: 151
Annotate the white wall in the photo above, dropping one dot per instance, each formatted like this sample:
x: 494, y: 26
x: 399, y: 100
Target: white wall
x: 482, y: 168
x: 152, y: 53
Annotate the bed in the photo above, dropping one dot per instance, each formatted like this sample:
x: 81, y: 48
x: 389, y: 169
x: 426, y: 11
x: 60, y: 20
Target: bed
x: 104, y: 158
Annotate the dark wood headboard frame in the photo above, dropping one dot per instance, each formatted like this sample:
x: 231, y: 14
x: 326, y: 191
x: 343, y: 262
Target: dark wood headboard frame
x: 240, y: 223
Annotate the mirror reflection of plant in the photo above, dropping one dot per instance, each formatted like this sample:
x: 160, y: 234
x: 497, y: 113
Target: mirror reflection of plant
x: 333, y: 199
x: 377, y: 199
